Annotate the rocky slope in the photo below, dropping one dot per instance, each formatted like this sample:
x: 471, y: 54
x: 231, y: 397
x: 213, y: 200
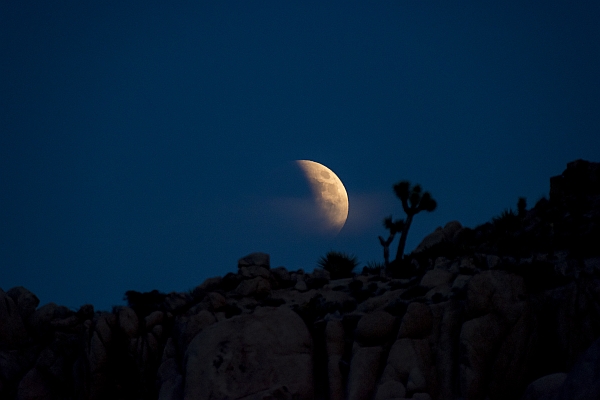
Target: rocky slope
x: 506, y: 310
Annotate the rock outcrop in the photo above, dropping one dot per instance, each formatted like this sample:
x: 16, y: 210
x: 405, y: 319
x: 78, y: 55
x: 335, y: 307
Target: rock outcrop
x: 481, y: 317
x: 251, y: 356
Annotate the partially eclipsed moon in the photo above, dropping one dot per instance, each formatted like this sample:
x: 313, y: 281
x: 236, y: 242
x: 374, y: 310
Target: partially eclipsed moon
x: 329, y: 193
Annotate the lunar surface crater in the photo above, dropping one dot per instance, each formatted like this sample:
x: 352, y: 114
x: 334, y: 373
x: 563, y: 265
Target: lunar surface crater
x: 329, y: 194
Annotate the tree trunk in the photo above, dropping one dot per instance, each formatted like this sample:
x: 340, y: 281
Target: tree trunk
x: 402, y: 243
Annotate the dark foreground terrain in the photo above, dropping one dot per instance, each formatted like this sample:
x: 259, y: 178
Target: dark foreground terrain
x: 507, y: 310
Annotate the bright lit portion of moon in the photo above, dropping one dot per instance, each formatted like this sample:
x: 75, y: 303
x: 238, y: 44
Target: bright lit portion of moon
x: 329, y: 193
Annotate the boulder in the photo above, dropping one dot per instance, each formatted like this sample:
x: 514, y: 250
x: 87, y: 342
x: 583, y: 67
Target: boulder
x: 447, y: 320
x: 255, y: 259
x: 318, y: 278
x: 335, y: 345
x: 34, y: 386
x: 282, y: 276
x: 97, y: 347
x: 409, y: 362
x: 12, y: 329
x: 169, y: 379
x: 258, y: 286
x: 390, y: 390
x: 65, y: 324
x: 189, y: 327
x: 592, y: 265
x: 254, y: 271
x: 581, y: 178
x: 467, y: 266
x: 479, y: 338
x: 250, y: 354
x: 545, y: 388
x: 301, y: 286
x: 421, y: 396
x: 460, y: 282
x: 171, y: 389
x: 436, y: 277
x: 582, y: 382
x: 154, y: 318
x: 442, y: 263
x: 578, y: 312
x: 176, y: 301
x: 85, y: 312
x: 364, y: 369
x: 375, y: 328
x: 14, y: 364
x: 128, y: 321
x: 493, y: 261
x: 417, y: 321
x: 47, y: 359
x: 320, y: 273
x: 497, y: 338
x: 210, y: 284
x: 213, y: 301
x: 446, y: 234
x: 41, y: 319
x: 512, y: 363
x: 495, y: 291
x: 26, y: 301
x: 380, y: 302
x: 435, y: 237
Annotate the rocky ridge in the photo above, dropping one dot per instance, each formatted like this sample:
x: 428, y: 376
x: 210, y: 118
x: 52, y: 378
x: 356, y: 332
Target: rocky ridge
x: 507, y: 310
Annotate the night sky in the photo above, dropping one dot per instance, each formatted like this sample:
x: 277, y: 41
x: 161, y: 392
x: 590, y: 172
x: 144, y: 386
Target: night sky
x: 150, y: 146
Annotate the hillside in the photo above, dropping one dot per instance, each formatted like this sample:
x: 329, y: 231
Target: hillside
x: 506, y: 310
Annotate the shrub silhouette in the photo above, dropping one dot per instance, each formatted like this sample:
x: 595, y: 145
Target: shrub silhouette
x: 506, y: 222
x: 373, y: 268
x: 413, y: 202
x: 339, y: 265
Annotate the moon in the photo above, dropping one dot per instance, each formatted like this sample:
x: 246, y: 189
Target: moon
x: 329, y: 193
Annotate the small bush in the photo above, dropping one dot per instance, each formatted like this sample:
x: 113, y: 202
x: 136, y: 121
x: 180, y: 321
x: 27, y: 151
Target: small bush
x: 373, y: 268
x: 339, y: 265
x: 507, y: 222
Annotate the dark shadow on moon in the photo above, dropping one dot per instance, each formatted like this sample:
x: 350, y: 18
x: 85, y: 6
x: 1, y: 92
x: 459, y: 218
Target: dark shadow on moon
x: 302, y: 215
x: 288, y: 207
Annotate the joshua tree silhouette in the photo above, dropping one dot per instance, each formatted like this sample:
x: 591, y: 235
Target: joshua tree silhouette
x: 522, y: 207
x: 413, y: 202
x: 394, y: 227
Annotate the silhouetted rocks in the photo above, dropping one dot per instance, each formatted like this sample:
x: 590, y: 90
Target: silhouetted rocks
x: 582, y: 382
x: 580, y: 179
x: 506, y: 310
x: 251, y: 356
x: 255, y: 260
x: 447, y: 234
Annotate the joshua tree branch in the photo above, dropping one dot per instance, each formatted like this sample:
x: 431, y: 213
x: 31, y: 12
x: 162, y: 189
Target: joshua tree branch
x: 386, y: 247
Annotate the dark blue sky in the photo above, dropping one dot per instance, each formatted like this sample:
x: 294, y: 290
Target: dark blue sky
x: 148, y: 146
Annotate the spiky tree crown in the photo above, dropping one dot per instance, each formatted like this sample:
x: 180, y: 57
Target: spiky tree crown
x: 412, y: 199
x: 393, y: 226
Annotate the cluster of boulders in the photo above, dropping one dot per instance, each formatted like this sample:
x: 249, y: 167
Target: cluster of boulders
x: 465, y: 324
x: 465, y: 328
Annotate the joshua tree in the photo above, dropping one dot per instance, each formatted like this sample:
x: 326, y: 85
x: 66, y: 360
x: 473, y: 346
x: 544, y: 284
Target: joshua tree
x: 413, y: 202
x: 394, y: 227
x: 522, y: 207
